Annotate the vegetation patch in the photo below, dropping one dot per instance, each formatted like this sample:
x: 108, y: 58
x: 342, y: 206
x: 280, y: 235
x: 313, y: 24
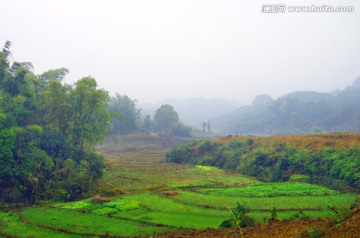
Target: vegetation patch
x: 192, y: 184
x: 272, y: 189
x: 12, y: 226
x: 105, y: 211
x: 87, y: 223
x: 77, y: 205
x: 299, y: 178
x: 309, y: 202
x: 123, y: 205
x: 207, y: 168
x: 329, y: 159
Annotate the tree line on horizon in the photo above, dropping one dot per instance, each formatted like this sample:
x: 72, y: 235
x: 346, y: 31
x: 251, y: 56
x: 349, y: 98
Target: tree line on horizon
x: 127, y: 118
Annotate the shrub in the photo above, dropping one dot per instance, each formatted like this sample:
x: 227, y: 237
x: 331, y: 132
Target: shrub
x: 76, y: 205
x: 299, y: 216
x: 105, y: 211
x: 238, y: 218
x: 123, y: 205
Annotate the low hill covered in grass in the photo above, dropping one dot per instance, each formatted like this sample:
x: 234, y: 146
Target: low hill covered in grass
x: 332, y: 160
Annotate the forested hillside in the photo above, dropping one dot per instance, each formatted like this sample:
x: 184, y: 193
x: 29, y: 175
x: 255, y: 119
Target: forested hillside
x: 328, y: 159
x: 296, y: 113
x: 48, y: 131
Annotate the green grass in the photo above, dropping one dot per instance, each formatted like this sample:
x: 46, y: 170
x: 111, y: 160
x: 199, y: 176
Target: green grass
x: 162, y: 196
x: 122, y: 205
x: 183, y: 219
x: 207, y: 168
x: 192, y: 184
x: 283, y: 215
x: 175, y: 212
x: 11, y: 225
x: 272, y: 189
x: 266, y: 203
x: 77, y: 205
x: 88, y: 223
x: 163, y: 210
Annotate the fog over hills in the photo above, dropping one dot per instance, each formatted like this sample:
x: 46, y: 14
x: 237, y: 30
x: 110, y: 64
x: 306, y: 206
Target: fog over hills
x: 297, y: 112
x: 193, y: 111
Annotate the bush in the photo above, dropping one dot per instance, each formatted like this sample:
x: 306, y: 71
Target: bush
x: 123, y: 205
x: 105, y: 211
x: 299, y: 216
x: 76, y: 205
x: 238, y: 218
x: 182, y: 130
x: 299, y: 178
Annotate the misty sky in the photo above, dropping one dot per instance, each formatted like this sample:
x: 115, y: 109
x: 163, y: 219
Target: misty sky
x: 150, y: 50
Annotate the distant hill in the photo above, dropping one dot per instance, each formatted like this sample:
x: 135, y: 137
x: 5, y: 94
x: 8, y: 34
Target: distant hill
x: 193, y: 111
x: 296, y: 113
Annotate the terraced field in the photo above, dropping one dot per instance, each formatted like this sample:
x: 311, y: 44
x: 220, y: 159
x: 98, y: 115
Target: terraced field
x: 163, y: 196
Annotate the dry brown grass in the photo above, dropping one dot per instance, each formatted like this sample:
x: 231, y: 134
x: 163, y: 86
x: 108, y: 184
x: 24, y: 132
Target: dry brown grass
x: 312, y: 141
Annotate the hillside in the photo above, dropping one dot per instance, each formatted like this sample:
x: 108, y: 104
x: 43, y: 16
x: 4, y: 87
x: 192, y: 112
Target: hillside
x: 297, y: 113
x: 328, y: 159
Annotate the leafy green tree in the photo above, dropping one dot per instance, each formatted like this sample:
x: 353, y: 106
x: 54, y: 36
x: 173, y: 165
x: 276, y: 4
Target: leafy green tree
x: 55, y: 74
x: 125, y: 114
x: 43, y: 124
x: 56, y: 107
x: 4, y: 63
x: 52, y: 74
x: 165, y: 118
x: 90, y: 116
x: 148, y: 123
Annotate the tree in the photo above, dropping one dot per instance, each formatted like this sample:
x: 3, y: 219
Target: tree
x: 56, y: 74
x: 90, y: 116
x: 148, y: 123
x: 4, y: 63
x: 52, y: 74
x: 43, y: 123
x: 125, y: 114
x: 165, y: 118
x: 56, y: 108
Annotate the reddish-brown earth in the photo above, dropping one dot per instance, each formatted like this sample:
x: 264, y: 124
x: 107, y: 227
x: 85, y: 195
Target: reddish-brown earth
x: 349, y: 228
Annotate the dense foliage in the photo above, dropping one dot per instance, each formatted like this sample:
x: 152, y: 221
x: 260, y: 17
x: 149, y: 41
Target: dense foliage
x: 278, y: 158
x: 296, y: 113
x: 125, y: 115
x: 48, y: 130
x: 166, y: 120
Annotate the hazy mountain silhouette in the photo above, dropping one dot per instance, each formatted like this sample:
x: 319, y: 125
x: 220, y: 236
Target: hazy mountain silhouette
x: 297, y: 112
x: 193, y: 111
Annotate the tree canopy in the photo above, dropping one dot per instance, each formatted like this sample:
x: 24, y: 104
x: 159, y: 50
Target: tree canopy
x: 165, y: 118
x: 125, y: 115
x: 48, y: 130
